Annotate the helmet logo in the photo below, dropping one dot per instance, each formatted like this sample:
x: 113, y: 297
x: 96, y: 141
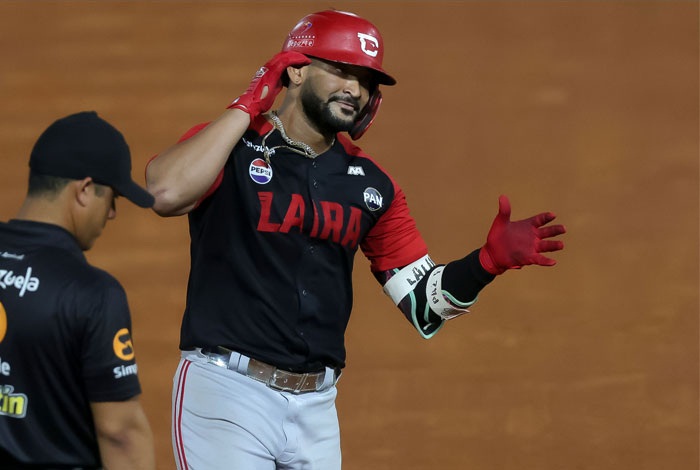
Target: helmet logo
x: 369, y: 44
x: 307, y: 26
x: 301, y: 38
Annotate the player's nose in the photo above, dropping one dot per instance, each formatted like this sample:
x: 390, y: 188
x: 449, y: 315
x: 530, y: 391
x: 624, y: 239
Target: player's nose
x: 352, y: 87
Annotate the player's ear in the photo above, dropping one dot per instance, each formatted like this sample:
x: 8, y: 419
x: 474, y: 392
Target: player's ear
x: 293, y: 76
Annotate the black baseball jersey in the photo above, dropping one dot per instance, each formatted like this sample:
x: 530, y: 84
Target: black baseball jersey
x: 64, y: 342
x: 273, y: 244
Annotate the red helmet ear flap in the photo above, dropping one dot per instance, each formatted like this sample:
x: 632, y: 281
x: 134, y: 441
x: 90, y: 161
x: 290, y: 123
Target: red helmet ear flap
x: 367, y: 115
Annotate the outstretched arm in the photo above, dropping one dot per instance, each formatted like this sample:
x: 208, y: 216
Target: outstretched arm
x: 428, y: 294
x: 181, y: 175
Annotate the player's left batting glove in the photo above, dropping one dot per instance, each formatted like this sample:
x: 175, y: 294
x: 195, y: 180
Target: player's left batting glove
x: 267, y: 83
x: 514, y: 244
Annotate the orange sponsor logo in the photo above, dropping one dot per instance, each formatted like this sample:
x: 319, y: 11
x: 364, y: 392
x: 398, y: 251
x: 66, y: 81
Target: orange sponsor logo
x: 3, y: 322
x: 122, y: 345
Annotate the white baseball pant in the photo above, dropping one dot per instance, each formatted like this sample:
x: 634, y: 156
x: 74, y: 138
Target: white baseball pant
x: 225, y: 420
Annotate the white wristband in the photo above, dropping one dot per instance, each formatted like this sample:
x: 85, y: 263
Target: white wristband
x: 436, y: 299
x: 406, y: 279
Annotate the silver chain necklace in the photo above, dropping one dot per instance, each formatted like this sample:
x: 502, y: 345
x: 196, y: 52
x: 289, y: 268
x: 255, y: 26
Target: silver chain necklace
x: 299, y: 147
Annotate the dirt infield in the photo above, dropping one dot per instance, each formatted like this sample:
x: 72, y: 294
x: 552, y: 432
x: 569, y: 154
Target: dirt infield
x: 588, y: 109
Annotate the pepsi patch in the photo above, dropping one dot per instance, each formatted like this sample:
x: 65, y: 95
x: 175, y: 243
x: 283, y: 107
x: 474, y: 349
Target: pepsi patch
x: 373, y: 199
x: 260, y: 171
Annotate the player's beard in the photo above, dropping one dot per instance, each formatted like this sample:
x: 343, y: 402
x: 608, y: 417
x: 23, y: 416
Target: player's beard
x: 321, y: 115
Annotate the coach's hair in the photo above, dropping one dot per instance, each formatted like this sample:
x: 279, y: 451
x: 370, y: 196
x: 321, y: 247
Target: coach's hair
x: 45, y: 185
x: 49, y: 186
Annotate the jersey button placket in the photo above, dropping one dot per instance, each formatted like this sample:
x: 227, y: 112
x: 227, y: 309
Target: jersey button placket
x: 305, y: 296
x: 314, y: 181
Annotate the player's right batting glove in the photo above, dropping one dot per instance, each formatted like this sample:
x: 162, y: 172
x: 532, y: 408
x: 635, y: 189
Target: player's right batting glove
x: 267, y: 83
x: 514, y: 244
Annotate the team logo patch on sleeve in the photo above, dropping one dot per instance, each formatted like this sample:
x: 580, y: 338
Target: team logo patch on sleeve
x: 373, y: 199
x: 122, y: 345
x: 260, y: 171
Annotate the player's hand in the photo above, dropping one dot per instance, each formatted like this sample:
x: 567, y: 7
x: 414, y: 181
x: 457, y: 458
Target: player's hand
x: 267, y: 83
x: 514, y: 244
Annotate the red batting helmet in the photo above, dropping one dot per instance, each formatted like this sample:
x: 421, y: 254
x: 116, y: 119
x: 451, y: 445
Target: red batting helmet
x: 340, y: 36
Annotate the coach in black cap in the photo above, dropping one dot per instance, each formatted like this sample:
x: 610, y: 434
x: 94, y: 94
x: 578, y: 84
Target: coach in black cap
x: 84, y: 145
x: 65, y: 326
x: 84, y: 156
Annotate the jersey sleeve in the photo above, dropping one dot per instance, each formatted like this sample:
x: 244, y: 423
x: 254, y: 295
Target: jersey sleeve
x: 394, y: 241
x: 107, y: 351
x: 194, y: 130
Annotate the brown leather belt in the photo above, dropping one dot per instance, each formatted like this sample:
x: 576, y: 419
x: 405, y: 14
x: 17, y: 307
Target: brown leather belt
x: 270, y: 375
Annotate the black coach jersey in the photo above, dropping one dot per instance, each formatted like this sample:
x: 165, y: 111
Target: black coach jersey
x: 64, y: 342
x: 272, y: 249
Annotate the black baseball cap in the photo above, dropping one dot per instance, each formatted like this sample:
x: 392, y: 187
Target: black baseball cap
x: 82, y: 145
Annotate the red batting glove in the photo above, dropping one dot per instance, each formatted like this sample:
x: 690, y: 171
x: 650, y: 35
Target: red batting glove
x: 512, y: 245
x: 267, y: 83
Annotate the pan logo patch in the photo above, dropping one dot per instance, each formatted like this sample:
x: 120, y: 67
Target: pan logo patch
x: 122, y: 346
x: 260, y: 171
x: 373, y: 199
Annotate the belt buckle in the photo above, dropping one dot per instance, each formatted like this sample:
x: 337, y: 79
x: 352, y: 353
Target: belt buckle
x: 284, y: 381
x: 302, y: 382
x: 290, y: 381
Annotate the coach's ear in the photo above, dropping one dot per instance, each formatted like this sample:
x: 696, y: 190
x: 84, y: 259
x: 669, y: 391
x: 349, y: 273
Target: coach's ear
x: 83, y: 190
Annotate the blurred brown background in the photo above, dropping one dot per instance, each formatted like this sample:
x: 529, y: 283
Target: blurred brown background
x: 588, y: 109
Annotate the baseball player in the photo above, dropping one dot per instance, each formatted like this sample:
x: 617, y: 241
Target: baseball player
x: 68, y: 376
x: 279, y: 201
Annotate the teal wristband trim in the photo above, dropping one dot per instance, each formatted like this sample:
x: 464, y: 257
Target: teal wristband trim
x: 427, y: 329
